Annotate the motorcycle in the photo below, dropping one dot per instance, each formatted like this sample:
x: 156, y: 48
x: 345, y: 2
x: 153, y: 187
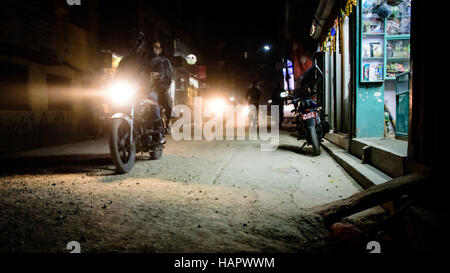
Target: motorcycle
x: 129, y: 132
x: 311, y: 125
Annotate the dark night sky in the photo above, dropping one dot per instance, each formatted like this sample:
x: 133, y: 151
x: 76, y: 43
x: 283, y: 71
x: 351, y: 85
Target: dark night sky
x: 237, y: 26
x: 243, y: 19
x: 225, y: 29
x: 241, y: 24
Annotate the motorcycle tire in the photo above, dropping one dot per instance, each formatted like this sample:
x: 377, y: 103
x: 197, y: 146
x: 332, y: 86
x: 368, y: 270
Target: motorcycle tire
x: 314, y: 141
x: 157, y: 152
x: 123, y: 159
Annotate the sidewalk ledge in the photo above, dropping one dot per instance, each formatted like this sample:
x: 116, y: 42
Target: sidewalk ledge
x: 364, y: 174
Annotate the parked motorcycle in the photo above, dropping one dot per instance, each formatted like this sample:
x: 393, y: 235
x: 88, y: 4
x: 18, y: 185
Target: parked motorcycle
x: 311, y: 125
x: 129, y: 131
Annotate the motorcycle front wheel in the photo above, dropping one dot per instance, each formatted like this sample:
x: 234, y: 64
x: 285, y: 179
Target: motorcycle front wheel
x: 123, y: 153
x: 314, y: 140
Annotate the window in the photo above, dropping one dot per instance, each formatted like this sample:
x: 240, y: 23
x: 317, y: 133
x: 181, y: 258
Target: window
x: 14, y: 87
x: 58, y: 89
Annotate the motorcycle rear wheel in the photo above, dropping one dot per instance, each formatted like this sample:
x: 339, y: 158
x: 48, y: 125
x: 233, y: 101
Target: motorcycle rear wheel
x: 314, y: 141
x: 123, y: 153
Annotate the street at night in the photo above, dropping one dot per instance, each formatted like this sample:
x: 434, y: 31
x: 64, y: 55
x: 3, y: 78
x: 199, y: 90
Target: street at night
x: 192, y: 130
x: 225, y: 196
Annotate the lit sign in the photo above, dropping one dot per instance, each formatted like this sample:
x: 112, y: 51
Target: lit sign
x: 116, y: 60
x: 191, y: 59
x: 291, y: 76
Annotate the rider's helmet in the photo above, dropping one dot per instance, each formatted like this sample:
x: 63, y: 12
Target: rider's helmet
x: 135, y: 38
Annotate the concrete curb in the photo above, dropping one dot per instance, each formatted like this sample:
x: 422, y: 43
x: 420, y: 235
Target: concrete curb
x: 364, y: 174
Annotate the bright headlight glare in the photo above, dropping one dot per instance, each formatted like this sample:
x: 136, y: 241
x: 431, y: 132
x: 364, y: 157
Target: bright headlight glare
x: 284, y: 94
x: 217, y: 106
x: 246, y: 110
x: 121, y: 92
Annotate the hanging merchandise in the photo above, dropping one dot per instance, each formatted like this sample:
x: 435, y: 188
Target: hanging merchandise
x: 384, y: 11
x: 330, y: 41
x: 394, y: 2
x: 381, y: 9
x: 333, y: 36
x: 341, y: 32
x: 326, y: 43
x: 349, y: 6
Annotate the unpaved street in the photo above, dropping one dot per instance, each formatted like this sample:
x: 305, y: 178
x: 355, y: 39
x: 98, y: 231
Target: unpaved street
x: 221, y: 196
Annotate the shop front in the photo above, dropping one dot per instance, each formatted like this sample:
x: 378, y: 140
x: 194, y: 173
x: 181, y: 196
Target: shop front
x: 366, y: 52
x: 335, y: 34
x: 382, y: 101
x: 366, y: 60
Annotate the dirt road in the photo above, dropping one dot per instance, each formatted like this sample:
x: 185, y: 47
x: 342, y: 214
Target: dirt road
x: 222, y: 196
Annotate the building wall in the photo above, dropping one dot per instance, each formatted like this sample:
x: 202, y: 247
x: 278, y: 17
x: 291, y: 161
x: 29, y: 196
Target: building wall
x: 68, y: 45
x: 338, y: 83
x: 74, y: 58
x: 370, y: 111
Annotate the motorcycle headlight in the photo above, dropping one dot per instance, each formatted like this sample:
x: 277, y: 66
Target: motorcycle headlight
x: 121, y: 92
x: 217, y: 106
x: 284, y: 94
x: 246, y: 110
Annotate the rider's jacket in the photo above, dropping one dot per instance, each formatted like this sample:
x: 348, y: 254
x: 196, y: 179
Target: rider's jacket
x: 161, y: 65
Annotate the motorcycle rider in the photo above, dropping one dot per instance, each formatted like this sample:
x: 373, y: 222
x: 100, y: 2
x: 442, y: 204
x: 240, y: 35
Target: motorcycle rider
x: 136, y: 65
x: 163, y: 77
x: 133, y: 65
x: 253, y: 95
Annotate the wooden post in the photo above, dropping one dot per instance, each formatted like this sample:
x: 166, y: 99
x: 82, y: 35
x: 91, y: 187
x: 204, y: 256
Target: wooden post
x: 373, y: 196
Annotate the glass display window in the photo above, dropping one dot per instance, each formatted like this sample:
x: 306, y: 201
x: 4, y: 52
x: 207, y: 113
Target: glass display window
x: 394, y: 68
x: 372, y: 55
x: 398, y: 49
x: 371, y: 23
x: 399, y: 21
x: 372, y: 71
x: 372, y: 47
x: 384, y: 44
x: 397, y: 57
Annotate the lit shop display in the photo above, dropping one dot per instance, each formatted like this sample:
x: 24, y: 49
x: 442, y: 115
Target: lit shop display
x: 385, y: 40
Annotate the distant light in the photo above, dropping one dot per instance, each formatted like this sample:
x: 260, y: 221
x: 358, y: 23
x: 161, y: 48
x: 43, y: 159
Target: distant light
x: 193, y: 82
x: 231, y: 98
x: 312, y: 30
x: 246, y: 110
x: 266, y: 47
x: 284, y: 94
x: 191, y: 59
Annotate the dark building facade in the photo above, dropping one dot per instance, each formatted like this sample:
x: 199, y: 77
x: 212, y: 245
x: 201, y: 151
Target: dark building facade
x: 56, y: 58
